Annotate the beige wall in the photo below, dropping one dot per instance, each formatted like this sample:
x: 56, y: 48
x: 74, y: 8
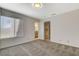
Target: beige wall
x: 64, y: 28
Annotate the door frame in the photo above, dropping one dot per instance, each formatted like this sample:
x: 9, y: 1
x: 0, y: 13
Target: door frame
x: 49, y: 30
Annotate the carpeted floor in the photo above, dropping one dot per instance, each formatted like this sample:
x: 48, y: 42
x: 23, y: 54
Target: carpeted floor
x: 40, y: 48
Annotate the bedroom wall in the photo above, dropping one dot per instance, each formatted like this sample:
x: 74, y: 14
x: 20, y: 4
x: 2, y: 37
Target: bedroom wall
x: 64, y: 28
x: 27, y: 28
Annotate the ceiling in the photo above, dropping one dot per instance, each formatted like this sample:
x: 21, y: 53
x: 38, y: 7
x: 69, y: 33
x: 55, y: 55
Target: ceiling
x: 48, y: 9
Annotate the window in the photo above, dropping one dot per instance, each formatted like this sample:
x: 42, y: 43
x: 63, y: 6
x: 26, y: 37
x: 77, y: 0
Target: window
x: 8, y: 27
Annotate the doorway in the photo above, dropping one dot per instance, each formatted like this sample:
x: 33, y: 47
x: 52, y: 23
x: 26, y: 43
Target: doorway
x: 47, y: 31
x: 36, y: 30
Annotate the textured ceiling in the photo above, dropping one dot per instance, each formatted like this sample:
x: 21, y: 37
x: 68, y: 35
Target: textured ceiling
x: 47, y: 10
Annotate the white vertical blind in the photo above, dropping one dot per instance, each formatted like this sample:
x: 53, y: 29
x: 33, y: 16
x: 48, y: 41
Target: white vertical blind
x: 9, y: 27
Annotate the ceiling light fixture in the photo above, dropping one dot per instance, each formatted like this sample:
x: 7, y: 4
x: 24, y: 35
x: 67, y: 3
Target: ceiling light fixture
x: 37, y: 5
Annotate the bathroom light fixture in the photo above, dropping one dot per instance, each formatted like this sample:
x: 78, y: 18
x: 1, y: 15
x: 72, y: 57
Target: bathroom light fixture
x: 37, y: 5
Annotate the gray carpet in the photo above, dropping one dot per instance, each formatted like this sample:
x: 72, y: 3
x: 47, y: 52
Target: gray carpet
x: 40, y: 48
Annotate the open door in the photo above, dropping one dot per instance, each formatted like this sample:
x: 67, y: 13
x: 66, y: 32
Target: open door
x: 36, y: 30
x: 47, y: 31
